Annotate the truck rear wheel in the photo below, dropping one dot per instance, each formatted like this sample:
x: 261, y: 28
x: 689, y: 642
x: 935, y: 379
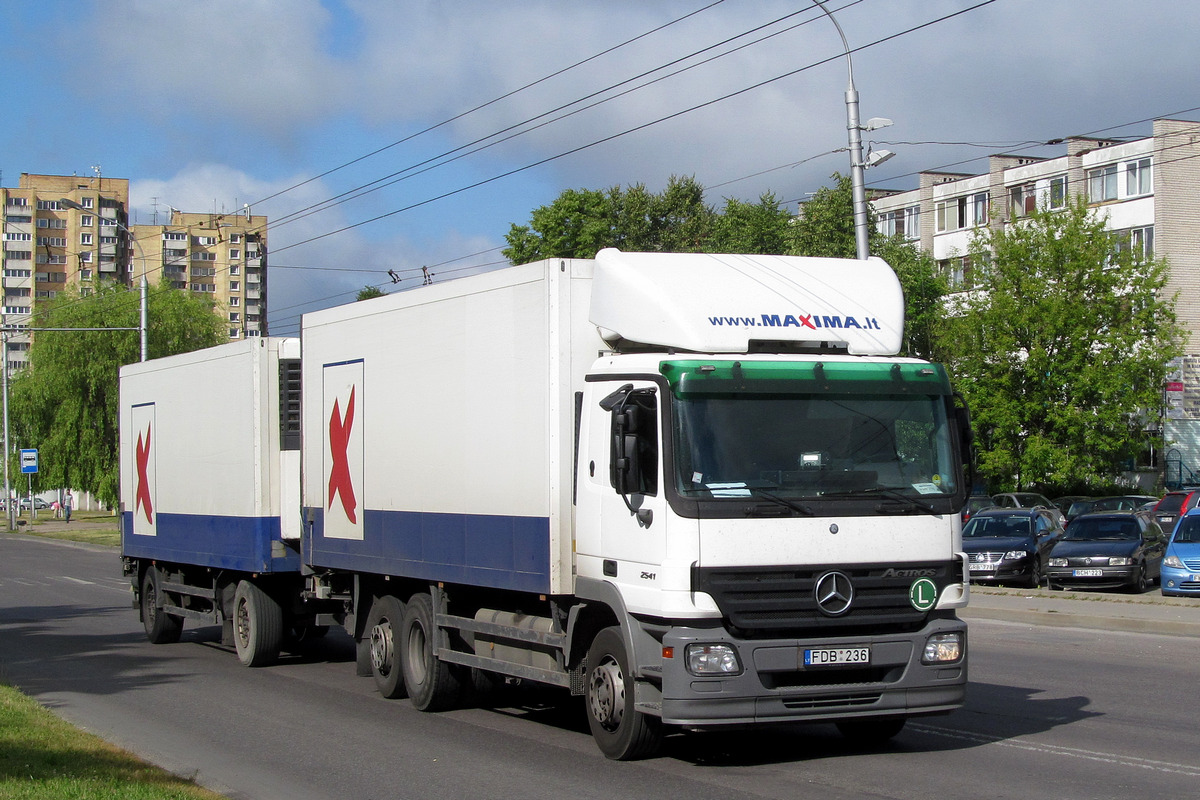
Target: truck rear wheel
x: 622, y: 732
x: 433, y: 685
x: 257, y: 625
x: 383, y: 631
x: 161, y: 627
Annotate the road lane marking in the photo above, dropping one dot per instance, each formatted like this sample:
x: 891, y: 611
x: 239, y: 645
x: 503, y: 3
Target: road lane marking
x: 75, y: 580
x: 1059, y: 750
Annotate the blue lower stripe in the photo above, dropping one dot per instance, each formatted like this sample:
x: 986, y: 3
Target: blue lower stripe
x: 500, y: 552
x: 246, y: 544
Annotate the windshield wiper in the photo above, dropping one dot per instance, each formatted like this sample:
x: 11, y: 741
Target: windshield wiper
x: 890, y: 493
x: 780, y: 501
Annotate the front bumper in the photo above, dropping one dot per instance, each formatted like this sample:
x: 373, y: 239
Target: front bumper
x: 774, y: 686
x: 1180, y: 582
x: 1109, y: 577
x: 999, y: 572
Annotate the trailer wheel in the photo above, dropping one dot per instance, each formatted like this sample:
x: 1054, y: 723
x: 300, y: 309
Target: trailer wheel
x: 161, y: 627
x: 257, y: 625
x: 622, y: 732
x: 871, y: 731
x: 433, y: 685
x: 383, y: 629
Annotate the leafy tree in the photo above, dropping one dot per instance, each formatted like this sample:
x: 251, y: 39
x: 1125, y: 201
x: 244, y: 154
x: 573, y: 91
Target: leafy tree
x: 369, y: 292
x: 1060, y: 348
x: 762, y: 227
x: 66, y: 401
x: 581, y: 222
x: 826, y: 223
x: 924, y: 289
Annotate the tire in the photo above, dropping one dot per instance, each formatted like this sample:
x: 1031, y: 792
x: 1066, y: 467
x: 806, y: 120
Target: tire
x: 161, y: 628
x: 257, y: 626
x: 382, y: 636
x: 432, y: 685
x: 1140, y: 584
x: 622, y: 732
x: 1035, y: 574
x: 871, y: 731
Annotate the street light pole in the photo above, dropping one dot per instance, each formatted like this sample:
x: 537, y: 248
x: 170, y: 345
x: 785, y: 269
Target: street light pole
x: 854, y: 134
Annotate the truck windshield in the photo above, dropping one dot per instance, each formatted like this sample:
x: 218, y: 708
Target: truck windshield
x: 810, y: 430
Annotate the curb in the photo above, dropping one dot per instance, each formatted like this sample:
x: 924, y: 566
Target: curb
x: 1154, y: 613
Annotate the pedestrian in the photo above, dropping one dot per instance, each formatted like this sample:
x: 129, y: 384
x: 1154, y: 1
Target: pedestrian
x: 56, y: 507
x: 67, y: 501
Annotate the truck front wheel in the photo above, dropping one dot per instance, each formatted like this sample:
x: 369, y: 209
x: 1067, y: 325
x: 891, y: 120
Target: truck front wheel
x: 622, y: 732
x: 433, y: 685
x: 383, y: 631
x: 161, y: 627
x: 257, y: 626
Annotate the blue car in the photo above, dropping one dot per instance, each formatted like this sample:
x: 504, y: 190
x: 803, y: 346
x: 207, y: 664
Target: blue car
x: 1181, y: 566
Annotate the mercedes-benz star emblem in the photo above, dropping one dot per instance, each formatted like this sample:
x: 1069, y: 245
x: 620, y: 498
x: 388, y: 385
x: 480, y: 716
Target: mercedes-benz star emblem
x: 834, y: 593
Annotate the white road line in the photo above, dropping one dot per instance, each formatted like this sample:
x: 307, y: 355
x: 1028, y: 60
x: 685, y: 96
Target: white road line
x: 75, y: 580
x: 1053, y: 749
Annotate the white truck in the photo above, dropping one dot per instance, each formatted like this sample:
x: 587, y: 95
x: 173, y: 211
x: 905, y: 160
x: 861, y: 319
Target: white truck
x: 700, y: 490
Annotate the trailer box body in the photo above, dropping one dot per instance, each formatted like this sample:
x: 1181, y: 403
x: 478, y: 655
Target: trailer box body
x: 440, y: 428
x: 205, y: 479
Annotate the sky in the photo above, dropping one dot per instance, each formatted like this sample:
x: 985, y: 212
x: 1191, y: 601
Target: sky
x: 397, y: 135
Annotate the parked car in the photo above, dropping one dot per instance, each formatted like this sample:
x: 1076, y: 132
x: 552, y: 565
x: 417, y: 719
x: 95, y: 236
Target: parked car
x: 1181, y: 566
x: 1174, y: 505
x: 1063, y: 504
x: 1010, y: 545
x: 1027, y: 500
x: 975, y: 503
x: 38, y: 503
x: 1107, y: 550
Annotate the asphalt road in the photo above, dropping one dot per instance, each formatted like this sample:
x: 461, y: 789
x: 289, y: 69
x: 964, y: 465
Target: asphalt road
x: 1052, y: 711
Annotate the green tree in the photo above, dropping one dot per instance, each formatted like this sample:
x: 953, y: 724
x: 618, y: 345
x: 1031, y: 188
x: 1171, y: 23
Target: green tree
x: 369, y: 292
x: 581, y: 222
x: 1061, y: 348
x: 764, y: 227
x: 826, y: 223
x: 924, y: 292
x: 66, y: 402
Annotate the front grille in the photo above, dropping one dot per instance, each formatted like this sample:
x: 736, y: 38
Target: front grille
x: 774, y: 601
x: 1192, y: 563
x: 985, y: 558
x: 831, y: 701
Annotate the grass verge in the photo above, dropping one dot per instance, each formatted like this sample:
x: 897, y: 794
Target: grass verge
x: 44, y: 758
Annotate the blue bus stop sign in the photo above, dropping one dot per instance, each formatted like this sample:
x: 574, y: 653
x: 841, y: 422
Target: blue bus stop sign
x: 29, y: 461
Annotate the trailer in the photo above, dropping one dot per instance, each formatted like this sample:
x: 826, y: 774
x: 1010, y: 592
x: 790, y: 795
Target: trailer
x: 702, y: 491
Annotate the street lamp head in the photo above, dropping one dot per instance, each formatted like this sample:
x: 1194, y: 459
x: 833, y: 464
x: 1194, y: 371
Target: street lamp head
x: 65, y: 203
x: 877, y: 157
x: 874, y: 123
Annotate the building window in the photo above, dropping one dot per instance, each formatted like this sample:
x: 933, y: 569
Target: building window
x: 1058, y: 191
x: 19, y: 202
x: 1138, y: 178
x: 85, y: 274
x: 85, y: 238
x: 18, y: 218
x: 85, y: 257
x: 235, y: 238
x: 86, y: 220
x: 1102, y: 184
x: 234, y: 302
x: 87, y: 202
x: 1139, y: 241
x: 52, y: 241
x: 14, y: 236
x: 233, y: 333
x: 234, y: 253
x: 108, y: 222
x: 905, y: 222
x: 205, y: 241
x: 234, y: 269
x: 204, y: 256
x: 234, y: 316
x: 959, y: 273
x: 49, y: 205
x: 962, y: 212
x: 46, y: 222
x: 109, y: 240
x: 1022, y: 200
x: 171, y: 236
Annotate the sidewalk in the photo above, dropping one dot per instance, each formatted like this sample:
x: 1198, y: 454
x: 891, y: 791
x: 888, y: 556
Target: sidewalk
x: 1112, y: 611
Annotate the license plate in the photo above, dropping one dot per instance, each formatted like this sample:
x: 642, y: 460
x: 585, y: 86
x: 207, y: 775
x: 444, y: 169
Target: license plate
x: 836, y: 656
x: 1088, y: 573
x: 984, y: 567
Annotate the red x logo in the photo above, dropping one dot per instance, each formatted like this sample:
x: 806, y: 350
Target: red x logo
x: 143, y: 482
x: 340, y: 482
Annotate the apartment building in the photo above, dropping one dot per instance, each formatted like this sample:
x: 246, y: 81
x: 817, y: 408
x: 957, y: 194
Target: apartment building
x: 1147, y: 190
x: 64, y: 231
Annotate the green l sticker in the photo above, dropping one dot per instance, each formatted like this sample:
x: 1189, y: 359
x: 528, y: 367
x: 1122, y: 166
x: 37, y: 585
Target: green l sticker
x: 922, y: 594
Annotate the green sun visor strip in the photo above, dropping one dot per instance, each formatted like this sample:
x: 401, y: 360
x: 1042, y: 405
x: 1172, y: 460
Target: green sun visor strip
x: 807, y: 377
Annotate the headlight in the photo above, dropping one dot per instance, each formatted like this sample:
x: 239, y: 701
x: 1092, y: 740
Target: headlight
x: 1119, y: 561
x: 712, y: 659
x: 1057, y: 562
x: 1173, y: 561
x: 943, y: 648
x: 1013, y: 555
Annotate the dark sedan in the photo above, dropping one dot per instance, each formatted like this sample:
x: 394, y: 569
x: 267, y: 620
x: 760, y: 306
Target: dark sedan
x: 1010, y: 545
x: 1108, y: 550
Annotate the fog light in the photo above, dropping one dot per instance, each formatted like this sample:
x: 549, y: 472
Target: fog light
x: 943, y: 648
x: 712, y: 659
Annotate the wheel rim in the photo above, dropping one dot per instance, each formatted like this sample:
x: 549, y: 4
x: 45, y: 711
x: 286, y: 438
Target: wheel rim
x: 606, y: 694
x: 382, y: 647
x: 418, y: 652
x: 242, y: 620
x: 150, y: 598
